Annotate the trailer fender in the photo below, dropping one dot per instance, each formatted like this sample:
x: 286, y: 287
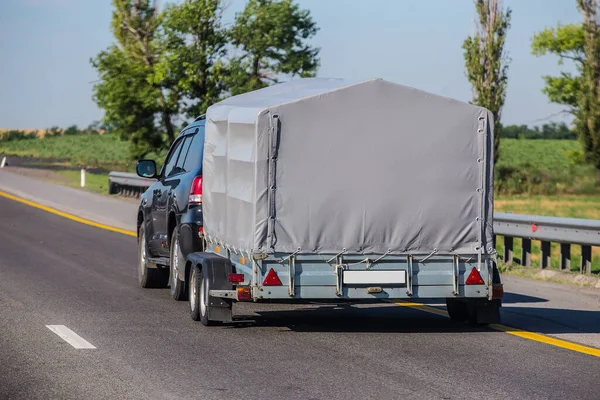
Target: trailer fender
x: 215, y: 270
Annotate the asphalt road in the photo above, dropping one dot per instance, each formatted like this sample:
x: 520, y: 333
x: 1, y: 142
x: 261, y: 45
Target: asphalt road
x: 54, y: 271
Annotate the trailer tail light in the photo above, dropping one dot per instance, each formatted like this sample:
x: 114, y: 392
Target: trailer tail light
x: 474, y: 278
x: 196, y: 191
x: 243, y: 293
x: 497, y: 291
x: 272, y: 279
x: 236, y: 278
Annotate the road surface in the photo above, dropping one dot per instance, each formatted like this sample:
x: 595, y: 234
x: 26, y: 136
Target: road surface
x: 54, y: 271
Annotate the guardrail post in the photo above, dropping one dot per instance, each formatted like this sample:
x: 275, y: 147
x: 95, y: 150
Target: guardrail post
x: 545, y: 254
x: 508, y: 249
x: 3, y: 163
x: 82, y: 177
x: 586, y: 259
x: 565, y: 256
x: 526, y: 252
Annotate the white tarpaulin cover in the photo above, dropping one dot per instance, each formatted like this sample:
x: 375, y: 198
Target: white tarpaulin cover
x: 323, y: 165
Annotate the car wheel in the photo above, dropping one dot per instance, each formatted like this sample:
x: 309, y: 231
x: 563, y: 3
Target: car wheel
x: 148, y: 277
x: 176, y: 258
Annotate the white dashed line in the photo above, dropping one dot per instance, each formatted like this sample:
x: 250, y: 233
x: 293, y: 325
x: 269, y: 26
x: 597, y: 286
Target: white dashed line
x: 70, y: 337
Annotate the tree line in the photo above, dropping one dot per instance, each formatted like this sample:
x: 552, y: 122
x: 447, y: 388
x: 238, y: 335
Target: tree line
x: 552, y: 130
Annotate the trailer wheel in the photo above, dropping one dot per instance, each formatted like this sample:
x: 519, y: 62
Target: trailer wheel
x: 148, y: 277
x: 457, y: 310
x: 198, y: 295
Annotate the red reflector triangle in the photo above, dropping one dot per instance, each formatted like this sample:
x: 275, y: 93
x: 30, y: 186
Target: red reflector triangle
x: 272, y: 279
x: 474, y: 278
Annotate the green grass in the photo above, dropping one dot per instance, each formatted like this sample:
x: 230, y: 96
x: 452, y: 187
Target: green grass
x: 97, y: 183
x: 569, y: 206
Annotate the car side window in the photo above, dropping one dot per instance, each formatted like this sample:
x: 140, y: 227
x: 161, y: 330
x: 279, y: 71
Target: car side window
x: 172, y: 159
x: 194, y: 154
x: 180, y: 167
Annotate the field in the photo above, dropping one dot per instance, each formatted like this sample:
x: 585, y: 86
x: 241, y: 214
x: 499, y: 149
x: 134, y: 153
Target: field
x: 91, y: 151
x: 548, y: 155
x: 543, y: 167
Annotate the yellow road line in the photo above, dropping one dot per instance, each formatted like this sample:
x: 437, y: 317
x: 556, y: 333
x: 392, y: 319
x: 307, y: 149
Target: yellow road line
x: 67, y: 215
x: 548, y: 340
x: 536, y: 337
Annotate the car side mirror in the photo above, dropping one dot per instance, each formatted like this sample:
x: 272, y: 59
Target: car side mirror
x: 146, y: 169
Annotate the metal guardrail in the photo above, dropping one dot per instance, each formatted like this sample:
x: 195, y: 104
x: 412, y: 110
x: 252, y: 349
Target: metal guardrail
x: 548, y: 230
x: 128, y: 184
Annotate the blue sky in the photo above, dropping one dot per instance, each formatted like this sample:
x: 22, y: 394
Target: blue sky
x: 46, y: 45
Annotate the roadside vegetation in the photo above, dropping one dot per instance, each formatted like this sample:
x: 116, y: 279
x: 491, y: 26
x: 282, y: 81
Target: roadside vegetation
x: 105, y: 152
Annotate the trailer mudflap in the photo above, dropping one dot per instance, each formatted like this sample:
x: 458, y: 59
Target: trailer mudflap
x: 215, y: 270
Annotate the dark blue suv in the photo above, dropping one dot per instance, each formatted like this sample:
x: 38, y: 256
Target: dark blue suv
x: 170, y: 213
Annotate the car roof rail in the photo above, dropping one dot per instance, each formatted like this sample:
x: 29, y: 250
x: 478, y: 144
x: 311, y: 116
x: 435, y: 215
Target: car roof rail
x: 200, y: 118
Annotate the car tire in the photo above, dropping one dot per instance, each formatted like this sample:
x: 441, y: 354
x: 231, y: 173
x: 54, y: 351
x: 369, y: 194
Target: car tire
x: 148, y: 277
x: 177, y: 286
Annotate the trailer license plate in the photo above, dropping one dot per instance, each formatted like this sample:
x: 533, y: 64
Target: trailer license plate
x: 374, y: 277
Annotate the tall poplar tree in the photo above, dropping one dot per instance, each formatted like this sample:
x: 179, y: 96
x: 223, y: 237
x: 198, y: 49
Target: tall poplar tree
x: 486, y: 62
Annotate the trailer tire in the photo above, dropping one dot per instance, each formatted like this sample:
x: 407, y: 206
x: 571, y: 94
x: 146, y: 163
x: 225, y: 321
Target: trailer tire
x: 198, y: 295
x: 148, y: 277
x: 457, y: 310
x: 484, y: 312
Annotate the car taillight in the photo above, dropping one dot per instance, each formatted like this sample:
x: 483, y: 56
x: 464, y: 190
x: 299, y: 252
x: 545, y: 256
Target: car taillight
x: 196, y: 191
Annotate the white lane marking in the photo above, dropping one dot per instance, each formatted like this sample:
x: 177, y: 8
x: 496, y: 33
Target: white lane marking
x: 70, y: 337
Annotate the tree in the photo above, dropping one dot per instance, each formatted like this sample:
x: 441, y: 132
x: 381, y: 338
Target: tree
x: 197, y: 44
x: 486, y: 63
x: 138, y: 99
x: 580, y: 92
x: 270, y: 36
x: 566, y: 41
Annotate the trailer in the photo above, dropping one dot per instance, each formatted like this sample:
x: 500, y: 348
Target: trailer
x: 325, y: 190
